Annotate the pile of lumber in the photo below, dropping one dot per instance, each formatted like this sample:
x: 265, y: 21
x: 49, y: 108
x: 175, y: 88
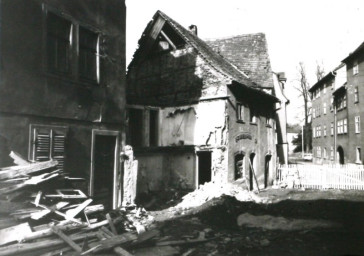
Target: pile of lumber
x: 53, y: 220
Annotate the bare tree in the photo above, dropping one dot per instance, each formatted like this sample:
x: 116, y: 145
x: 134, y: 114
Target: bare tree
x: 303, y: 86
x: 320, y: 71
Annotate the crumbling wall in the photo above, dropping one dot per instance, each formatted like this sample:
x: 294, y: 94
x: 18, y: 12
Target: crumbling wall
x: 171, y: 168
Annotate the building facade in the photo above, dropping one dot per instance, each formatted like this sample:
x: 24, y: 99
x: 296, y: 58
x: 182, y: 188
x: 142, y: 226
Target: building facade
x: 193, y: 116
x: 62, y: 87
x: 336, y: 112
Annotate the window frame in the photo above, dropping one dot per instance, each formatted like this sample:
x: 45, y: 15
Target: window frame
x: 240, y: 112
x: 357, y: 124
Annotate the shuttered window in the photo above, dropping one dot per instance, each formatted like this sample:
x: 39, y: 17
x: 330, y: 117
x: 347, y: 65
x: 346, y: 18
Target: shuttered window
x: 48, y: 143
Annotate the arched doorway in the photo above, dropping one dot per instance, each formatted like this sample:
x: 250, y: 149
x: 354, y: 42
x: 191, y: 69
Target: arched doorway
x: 251, y: 170
x: 239, y: 166
x: 266, y: 170
x: 340, y: 155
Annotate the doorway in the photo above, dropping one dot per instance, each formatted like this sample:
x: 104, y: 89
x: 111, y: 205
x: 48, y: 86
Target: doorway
x: 239, y: 167
x: 266, y: 170
x: 204, y: 167
x: 104, y: 167
x: 251, y: 170
x: 340, y: 154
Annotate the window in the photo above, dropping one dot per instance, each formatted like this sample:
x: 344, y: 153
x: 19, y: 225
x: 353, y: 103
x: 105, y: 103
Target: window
x: 324, y: 130
x: 314, y: 113
x: 325, y: 108
x: 268, y: 121
x: 88, y: 54
x: 357, y: 124
x: 356, y: 94
x: 324, y: 88
x: 253, y: 118
x: 332, y: 153
x: 339, y: 127
x: 59, y: 33
x: 345, y: 125
x: 318, y: 151
x: 48, y: 142
x: 358, y: 156
x: 355, y: 68
x: 344, y: 101
x: 240, y: 112
x: 332, y: 104
x: 325, y: 153
x: 332, y: 128
x: 318, y: 131
x: 318, y: 93
x: 314, y: 132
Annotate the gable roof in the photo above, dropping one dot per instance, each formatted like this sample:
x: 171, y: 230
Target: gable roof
x: 354, y: 53
x: 249, y: 53
x: 328, y: 76
x: 215, y: 60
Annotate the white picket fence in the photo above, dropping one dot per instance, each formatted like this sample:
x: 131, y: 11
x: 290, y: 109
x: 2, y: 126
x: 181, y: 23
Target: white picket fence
x: 322, y: 176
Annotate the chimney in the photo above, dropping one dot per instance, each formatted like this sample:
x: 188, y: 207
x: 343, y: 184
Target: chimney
x: 193, y: 29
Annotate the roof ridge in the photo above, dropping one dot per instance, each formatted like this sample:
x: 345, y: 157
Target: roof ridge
x: 174, y: 23
x: 236, y: 36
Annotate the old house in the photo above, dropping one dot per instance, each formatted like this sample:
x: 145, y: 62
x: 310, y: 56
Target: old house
x: 62, y: 87
x: 336, y: 112
x: 194, y: 116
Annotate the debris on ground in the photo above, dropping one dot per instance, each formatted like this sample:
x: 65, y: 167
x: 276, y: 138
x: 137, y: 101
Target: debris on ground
x: 280, y: 223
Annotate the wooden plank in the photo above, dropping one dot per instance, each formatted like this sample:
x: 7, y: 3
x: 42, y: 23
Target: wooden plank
x: 22, y: 249
x: 73, y: 212
x: 18, y: 159
x: 14, y: 233
x: 111, y: 224
x: 41, y: 214
x: 66, y: 239
x: 15, y: 171
x: 32, y: 181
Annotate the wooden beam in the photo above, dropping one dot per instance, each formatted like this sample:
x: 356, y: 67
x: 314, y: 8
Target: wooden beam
x: 168, y: 40
x: 111, y: 224
x: 65, y: 238
x: 18, y: 159
x: 22, y: 249
x: 15, y: 171
x: 14, y: 233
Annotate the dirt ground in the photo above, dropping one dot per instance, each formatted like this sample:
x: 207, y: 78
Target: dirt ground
x: 291, y: 222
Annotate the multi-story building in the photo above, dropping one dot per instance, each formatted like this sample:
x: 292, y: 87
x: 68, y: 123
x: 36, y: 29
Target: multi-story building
x: 62, y: 87
x: 195, y: 117
x: 336, y: 112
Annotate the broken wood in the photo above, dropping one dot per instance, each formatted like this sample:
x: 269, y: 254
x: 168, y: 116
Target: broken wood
x: 15, y: 171
x: 66, y: 239
x: 255, y: 177
x: 22, y: 249
x: 48, y: 231
x: 93, y: 208
x: 32, y: 181
x: 68, y: 194
x: 14, y: 233
x: 18, y: 159
x: 40, y: 214
x: 111, y: 224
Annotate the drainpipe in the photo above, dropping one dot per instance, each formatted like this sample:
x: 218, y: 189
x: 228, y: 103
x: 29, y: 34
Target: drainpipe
x: 335, y: 132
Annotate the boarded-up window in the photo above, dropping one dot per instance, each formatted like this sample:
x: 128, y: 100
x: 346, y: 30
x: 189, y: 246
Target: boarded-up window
x: 153, y: 127
x: 88, y: 50
x: 58, y: 43
x: 48, y: 142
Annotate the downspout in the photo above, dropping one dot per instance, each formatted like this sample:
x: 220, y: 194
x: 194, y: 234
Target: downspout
x: 335, y: 132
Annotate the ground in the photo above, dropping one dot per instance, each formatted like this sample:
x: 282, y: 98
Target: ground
x: 283, y: 222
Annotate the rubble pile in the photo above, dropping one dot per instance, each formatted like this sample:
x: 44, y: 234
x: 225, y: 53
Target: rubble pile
x: 211, y: 190
x: 44, y: 218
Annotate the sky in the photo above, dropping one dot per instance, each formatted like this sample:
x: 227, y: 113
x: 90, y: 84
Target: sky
x: 310, y: 31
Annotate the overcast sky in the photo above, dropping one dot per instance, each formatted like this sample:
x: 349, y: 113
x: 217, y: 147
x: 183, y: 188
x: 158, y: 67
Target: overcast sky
x: 310, y: 31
